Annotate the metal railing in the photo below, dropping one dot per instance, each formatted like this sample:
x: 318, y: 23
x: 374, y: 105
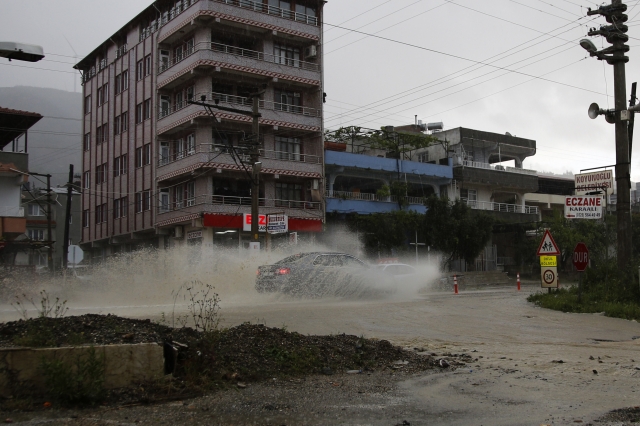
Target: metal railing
x: 501, y: 207
x: 241, y: 151
x: 166, y: 207
x: 13, y: 211
x: 242, y: 101
x: 258, y: 6
x: 371, y: 197
x: 237, y: 51
x: 487, y: 166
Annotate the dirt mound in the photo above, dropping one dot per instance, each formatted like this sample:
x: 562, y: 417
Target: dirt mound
x: 233, y: 356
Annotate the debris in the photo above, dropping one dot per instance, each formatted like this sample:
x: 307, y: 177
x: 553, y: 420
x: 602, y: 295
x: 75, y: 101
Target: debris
x: 241, y: 385
x: 47, y: 404
x: 595, y: 371
x: 443, y: 363
x: 591, y: 358
x: 559, y: 361
x: 8, y: 420
x: 326, y: 371
x: 129, y: 336
x: 354, y: 371
x: 401, y: 362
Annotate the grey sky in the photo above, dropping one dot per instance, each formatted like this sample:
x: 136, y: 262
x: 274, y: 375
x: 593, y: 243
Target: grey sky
x: 540, y: 38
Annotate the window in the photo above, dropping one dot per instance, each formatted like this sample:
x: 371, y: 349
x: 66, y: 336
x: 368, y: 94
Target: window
x: 143, y: 201
x: 305, y: 10
x: 101, y: 213
x: 85, y: 218
x: 164, y: 60
x: 87, y: 104
x: 139, y: 113
x: 140, y: 70
x: 102, y: 133
x: 288, y: 101
x: 120, y: 207
x: 147, y: 153
x: 138, y: 159
x: 87, y: 141
x: 35, y: 210
x: 147, y: 65
x: 101, y: 173
x: 470, y: 196
x: 164, y: 200
x: 287, y: 192
x: 86, y: 180
x: 185, y: 195
x: 120, y: 165
x: 120, y: 123
x: 165, y: 105
x: 286, y: 55
x: 287, y: 148
x: 116, y: 125
x: 423, y: 157
x: 164, y: 153
x: 147, y: 109
x: 103, y: 94
x: 191, y: 144
x: 122, y: 81
x: 35, y: 234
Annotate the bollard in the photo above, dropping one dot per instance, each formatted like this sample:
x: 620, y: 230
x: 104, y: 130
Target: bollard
x: 455, y: 284
x: 518, y: 281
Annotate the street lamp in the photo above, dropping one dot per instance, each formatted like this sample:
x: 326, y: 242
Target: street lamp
x: 20, y: 51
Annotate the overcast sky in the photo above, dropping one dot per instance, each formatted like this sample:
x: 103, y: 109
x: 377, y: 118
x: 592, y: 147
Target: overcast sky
x: 420, y: 62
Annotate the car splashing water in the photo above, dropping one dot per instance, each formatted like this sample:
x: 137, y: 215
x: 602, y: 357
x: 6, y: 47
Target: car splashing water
x: 152, y: 278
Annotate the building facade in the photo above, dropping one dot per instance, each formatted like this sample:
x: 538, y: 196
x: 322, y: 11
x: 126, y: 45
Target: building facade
x: 160, y: 171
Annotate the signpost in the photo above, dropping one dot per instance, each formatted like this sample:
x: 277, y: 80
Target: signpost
x: 583, y: 207
x: 589, y: 182
x: 580, y: 261
x: 548, y: 250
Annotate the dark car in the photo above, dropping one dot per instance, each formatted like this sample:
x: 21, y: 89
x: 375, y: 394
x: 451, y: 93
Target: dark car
x: 314, y: 274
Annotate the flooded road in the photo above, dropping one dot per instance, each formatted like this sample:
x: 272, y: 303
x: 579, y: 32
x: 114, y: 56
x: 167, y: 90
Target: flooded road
x: 534, y: 366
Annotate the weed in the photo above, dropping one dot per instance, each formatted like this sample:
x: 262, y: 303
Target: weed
x: 47, y: 309
x: 81, y: 381
x: 203, y: 305
x: 297, y: 361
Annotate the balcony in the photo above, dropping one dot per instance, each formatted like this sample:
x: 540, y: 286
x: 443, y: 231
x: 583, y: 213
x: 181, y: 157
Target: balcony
x: 355, y: 202
x: 13, y: 211
x: 487, y: 166
x: 501, y: 207
x: 238, y: 52
x: 240, y: 101
x: 236, y: 205
x: 372, y: 197
x: 260, y: 7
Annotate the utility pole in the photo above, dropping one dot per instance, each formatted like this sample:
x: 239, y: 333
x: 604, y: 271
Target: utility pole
x: 65, y: 246
x: 615, y: 55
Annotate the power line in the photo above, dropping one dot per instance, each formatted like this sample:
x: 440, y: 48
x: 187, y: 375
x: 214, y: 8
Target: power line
x: 41, y: 69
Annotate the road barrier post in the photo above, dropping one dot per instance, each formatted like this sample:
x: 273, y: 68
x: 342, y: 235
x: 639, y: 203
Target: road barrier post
x: 455, y: 283
x: 518, y: 281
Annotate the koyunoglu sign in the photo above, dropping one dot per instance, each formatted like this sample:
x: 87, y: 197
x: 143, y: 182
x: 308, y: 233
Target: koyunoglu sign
x: 583, y: 207
x: 598, y: 181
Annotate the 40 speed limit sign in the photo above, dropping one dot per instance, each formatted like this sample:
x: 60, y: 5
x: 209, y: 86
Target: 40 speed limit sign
x: 549, y: 277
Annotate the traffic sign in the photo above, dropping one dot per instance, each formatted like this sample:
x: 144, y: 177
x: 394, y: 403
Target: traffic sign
x: 549, y: 277
x: 75, y: 255
x: 548, y: 246
x: 548, y: 261
x: 581, y: 257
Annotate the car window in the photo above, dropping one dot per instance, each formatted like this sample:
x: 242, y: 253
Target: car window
x: 328, y: 260
x: 351, y: 262
x: 405, y: 270
x: 292, y: 259
x: 391, y: 269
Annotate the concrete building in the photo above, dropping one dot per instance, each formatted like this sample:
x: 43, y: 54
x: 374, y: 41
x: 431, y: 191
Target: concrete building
x: 14, y: 166
x: 157, y: 170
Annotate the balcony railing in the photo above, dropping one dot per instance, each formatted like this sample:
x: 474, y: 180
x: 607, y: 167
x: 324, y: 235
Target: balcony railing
x: 258, y: 6
x: 12, y: 211
x: 166, y: 207
x: 371, y: 197
x: 241, y: 151
x: 487, y: 166
x: 238, y: 100
x: 501, y: 207
x: 237, y: 51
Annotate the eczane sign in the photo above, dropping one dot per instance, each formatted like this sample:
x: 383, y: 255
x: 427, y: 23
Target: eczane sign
x: 583, y: 207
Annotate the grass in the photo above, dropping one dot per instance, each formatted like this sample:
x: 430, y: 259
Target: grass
x: 566, y: 300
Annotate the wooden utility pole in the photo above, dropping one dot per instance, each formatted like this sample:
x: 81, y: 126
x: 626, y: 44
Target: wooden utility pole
x: 255, y: 168
x: 65, y: 245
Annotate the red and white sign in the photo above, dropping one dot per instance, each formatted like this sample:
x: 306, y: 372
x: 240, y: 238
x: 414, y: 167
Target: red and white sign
x: 548, y: 246
x: 262, y: 222
x: 581, y: 257
x: 583, y: 207
x: 595, y: 181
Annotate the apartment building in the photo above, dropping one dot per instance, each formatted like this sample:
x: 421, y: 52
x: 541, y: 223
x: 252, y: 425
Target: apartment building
x: 160, y: 171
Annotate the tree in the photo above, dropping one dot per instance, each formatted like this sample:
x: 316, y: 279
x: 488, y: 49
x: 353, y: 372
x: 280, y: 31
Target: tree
x: 456, y: 230
x: 386, y: 231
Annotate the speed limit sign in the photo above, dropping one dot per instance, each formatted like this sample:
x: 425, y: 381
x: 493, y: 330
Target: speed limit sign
x: 549, y: 277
